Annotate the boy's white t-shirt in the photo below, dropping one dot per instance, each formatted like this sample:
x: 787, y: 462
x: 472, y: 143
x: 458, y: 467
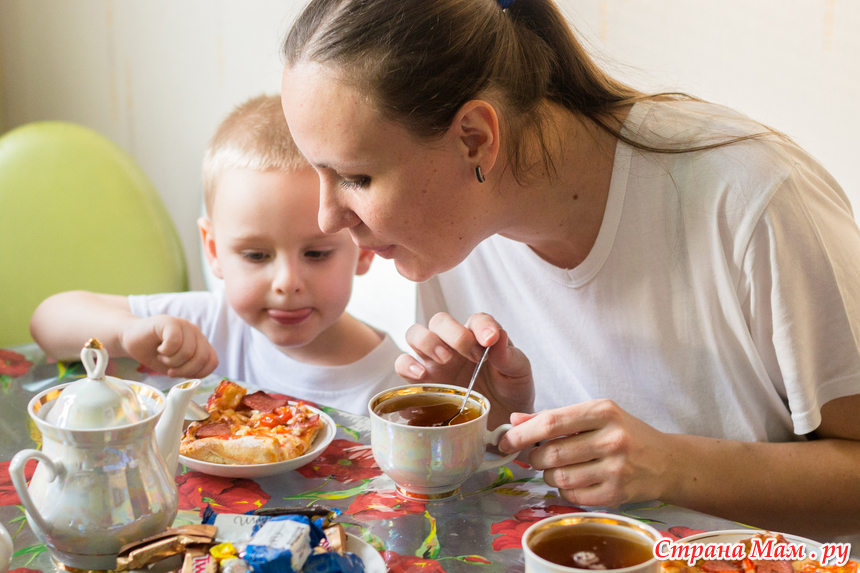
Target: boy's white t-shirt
x: 246, y: 355
x: 721, y: 298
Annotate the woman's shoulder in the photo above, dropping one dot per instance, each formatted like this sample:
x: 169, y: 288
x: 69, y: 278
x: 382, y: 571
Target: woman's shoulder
x: 679, y: 124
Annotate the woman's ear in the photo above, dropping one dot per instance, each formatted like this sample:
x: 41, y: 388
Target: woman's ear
x: 208, y: 239
x: 477, y: 128
x: 364, y: 260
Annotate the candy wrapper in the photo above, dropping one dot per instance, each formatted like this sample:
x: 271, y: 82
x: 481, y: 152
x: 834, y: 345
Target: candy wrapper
x: 335, y: 539
x: 235, y: 528
x: 198, y: 560
x: 318, y: 514
x: 171, y: 542
x: 333, y: 562
x: 282, y: 544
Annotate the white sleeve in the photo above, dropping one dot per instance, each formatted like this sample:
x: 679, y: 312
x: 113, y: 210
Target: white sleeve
x: 205, y: 309
x: 800, y: 286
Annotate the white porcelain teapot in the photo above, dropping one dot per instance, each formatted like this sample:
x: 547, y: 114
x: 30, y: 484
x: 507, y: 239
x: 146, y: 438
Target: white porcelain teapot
x: 109, y: 454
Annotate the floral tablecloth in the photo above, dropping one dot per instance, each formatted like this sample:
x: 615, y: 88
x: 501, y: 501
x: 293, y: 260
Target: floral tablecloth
x: 477, y: 531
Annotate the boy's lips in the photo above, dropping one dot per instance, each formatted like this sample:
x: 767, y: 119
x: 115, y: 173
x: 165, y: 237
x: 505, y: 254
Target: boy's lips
x: 289, y: 316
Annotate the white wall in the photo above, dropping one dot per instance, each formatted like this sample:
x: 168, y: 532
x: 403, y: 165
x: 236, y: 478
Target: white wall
x: 156, y: 76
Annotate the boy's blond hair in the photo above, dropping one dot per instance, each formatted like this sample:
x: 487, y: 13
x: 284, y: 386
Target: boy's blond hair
x: 254, y: 136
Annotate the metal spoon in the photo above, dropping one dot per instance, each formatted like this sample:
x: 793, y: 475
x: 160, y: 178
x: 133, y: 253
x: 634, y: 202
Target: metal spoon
x: 196, y: 412
x: 469, y: 389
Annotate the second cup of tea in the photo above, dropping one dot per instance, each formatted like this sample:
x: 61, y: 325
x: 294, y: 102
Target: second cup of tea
x: 573, y: 542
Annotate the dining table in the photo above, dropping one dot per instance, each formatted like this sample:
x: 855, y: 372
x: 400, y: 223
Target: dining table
x: 478, y: 530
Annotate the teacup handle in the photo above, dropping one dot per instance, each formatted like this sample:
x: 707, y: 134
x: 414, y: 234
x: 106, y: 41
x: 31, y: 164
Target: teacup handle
x: 6, y: 550
x: 16, y: 472
x: 493, y: 438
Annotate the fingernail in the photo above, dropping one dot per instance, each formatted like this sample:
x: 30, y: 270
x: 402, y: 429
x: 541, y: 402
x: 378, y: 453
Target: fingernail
x: 443, y: 355
x: 487, y: 333
x: 477, y: 353
x: 417, y: 370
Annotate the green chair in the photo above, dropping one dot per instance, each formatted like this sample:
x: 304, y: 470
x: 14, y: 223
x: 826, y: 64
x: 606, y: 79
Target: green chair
x: 77, y: 213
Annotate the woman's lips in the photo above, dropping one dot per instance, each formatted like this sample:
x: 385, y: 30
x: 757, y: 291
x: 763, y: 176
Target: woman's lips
x: 288, y: 317
x: 384, y: 252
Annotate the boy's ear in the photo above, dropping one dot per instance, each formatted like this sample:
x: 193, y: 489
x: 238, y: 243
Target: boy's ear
x: 364, y: 260
x: 208, y: 240
x: 477, y: 129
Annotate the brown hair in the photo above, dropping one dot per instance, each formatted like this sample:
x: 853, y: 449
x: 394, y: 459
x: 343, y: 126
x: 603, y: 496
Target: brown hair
x: 421, y: 60
x: 253, y: 136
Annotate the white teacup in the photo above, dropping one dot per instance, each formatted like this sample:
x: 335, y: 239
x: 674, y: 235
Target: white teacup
x: 623, y: 540
x: 433, y: 462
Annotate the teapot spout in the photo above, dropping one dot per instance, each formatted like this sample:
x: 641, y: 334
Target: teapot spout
x: 168, y: 431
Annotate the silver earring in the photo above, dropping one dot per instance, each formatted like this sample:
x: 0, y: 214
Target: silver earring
x: 479, y: 174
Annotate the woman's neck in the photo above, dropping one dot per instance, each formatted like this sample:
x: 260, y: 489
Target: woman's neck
x: 559, y: 216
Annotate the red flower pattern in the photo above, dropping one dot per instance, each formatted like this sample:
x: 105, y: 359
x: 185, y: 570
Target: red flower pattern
x: 512, y: 530
x: 24, y: 570
x: 225, y: 495
x: 144, y: 369
x: 8, y: 495
x: 397, y: 563
x: 13, y: 364
x: 679, y: 532
x: 382, y: 505
x: 344, y: 461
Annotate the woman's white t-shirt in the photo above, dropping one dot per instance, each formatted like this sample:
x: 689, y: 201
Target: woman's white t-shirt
x: 721, y: 298
x: 246, y: 355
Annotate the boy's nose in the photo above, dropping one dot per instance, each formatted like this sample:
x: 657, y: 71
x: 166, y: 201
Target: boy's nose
x: 287, y: 279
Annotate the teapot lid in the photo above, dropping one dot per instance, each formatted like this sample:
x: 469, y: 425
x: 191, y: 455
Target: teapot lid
x: 97, y: 401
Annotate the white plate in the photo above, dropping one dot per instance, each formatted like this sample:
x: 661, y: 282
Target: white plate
x: 737, y: 535
x: 373, y: 561
x: 320, y: 443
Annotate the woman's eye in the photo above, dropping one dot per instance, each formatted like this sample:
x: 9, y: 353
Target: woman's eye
x: 254, y: 256
x: 317, y: 255
x: 356, y: 183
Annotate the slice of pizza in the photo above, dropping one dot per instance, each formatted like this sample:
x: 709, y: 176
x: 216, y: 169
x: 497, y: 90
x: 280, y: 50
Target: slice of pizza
x: 250, y: 428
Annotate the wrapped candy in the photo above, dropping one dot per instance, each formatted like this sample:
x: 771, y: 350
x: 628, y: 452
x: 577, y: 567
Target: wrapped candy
x: 282, y: 544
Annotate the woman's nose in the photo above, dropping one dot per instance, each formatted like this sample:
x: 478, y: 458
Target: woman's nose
x: 333, y: 215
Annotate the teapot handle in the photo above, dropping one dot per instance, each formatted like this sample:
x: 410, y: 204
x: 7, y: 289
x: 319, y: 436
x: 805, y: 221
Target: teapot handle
x: 16, y: 472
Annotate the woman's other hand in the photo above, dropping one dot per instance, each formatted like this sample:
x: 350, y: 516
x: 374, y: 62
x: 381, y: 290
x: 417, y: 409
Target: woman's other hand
x: 451, y: 350
x: 594, y: 452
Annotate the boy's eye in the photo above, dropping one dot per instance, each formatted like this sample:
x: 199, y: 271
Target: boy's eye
x: 254, y: 256
x: 359, y: 182
x: 317, y: 255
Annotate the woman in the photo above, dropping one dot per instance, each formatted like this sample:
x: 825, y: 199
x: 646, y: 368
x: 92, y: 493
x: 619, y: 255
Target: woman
x: 683, y: 279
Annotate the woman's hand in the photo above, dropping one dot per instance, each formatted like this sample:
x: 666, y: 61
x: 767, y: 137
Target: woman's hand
x: 169, y: 345
x: 450, y: 351
x: 595, y: 453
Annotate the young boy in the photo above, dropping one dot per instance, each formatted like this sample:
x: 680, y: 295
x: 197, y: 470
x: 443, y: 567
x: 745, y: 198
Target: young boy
x: 279, y: 323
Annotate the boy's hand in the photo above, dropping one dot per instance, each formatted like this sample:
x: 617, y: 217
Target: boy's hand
x: 170, y: 345
x: 450, y: 351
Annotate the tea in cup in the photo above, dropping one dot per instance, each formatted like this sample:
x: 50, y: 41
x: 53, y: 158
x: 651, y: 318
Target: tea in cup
x: 415, y: 445
x: 599, y: 541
